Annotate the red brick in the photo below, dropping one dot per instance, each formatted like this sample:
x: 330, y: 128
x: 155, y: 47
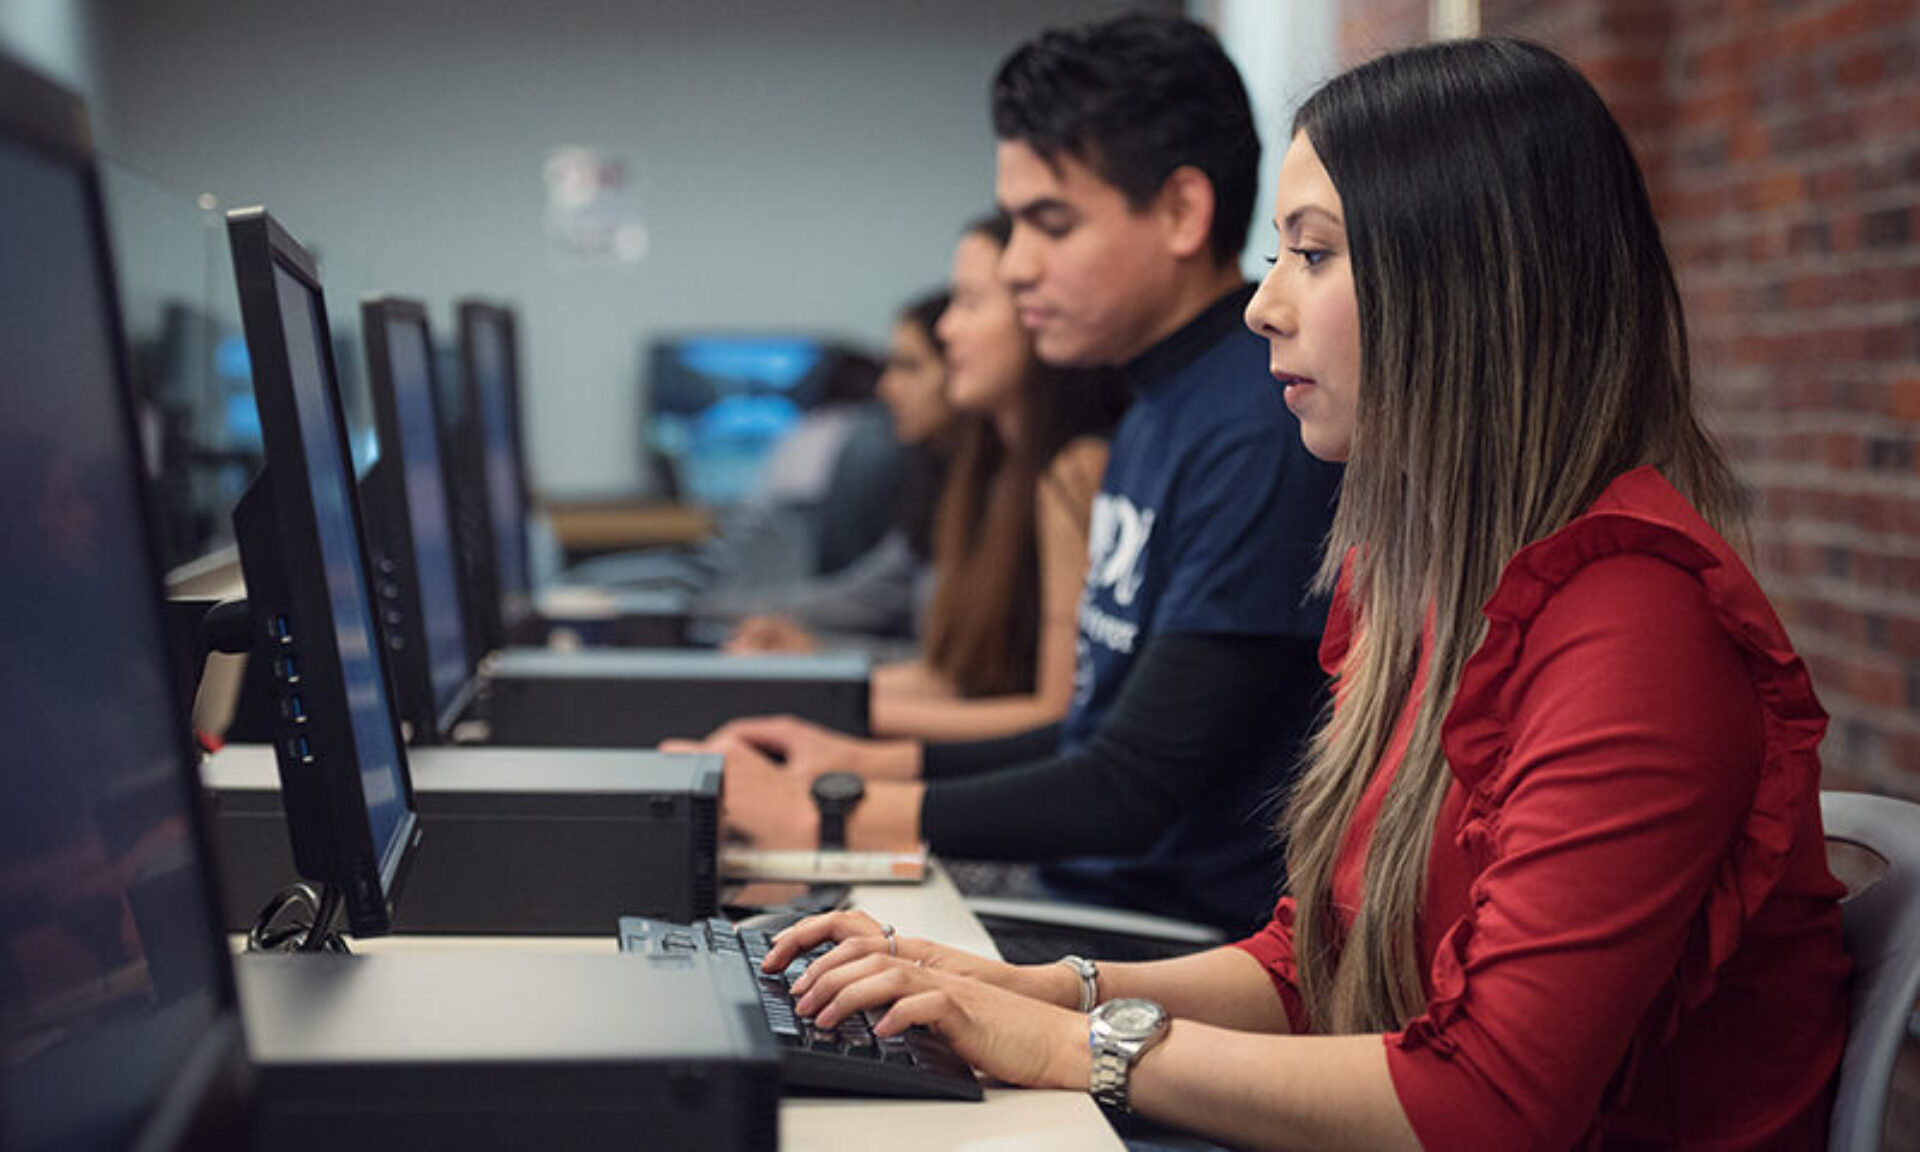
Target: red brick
x: 1861, y: 69
x: 1889, y: 112
x: 1625, y: 72
x: 1748, y: 142
x: 1905, y: 755
x: 1854, y: 17
x: 1843, y: 450
x: 1638, y: 20
x: 1881, y: 683
x: 1903, y: 636
x: 1906, y: 399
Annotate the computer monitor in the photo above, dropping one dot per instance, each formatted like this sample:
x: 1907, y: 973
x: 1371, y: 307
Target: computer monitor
x: 719, y: 402
x: 343, y: 771
x: 118, y: 1024
x: 492, y: 467
x: 410, y: 523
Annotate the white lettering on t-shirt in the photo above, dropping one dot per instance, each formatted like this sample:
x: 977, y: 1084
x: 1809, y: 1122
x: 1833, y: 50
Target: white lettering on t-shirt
x: 1106, y: 629
x: 1117, y: 547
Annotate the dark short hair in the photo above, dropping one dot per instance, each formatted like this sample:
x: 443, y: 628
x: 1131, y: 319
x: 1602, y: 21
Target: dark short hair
x: 1134, y: 98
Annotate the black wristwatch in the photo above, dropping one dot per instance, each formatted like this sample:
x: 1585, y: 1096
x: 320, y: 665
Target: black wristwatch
x: 836, y: 795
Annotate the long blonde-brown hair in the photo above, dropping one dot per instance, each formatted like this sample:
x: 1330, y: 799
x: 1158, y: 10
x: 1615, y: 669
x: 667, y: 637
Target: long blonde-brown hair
x: 1522, y: 345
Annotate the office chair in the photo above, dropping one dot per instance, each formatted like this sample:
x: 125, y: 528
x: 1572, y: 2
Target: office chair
x: 1028, y: 931
x: 1880, y: 920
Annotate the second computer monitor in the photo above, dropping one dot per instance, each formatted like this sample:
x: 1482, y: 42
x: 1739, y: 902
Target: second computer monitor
x: 410, y: 521
x: 343, y: 771
x: 718, y: 403
x: 492, y: 465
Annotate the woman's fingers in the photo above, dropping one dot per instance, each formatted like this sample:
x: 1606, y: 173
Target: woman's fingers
x: 814, y: 931
x: 870, y: 982
x: 844, y: 953
x: 930, y: 1008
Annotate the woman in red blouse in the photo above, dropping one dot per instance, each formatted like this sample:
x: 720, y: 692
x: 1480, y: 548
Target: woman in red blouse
x: 1557, y: 876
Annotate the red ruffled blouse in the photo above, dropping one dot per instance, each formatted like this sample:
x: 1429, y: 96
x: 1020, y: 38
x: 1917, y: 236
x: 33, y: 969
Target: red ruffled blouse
x: 1635, y: 939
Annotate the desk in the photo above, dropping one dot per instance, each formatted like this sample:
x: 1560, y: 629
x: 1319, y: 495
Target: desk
x: 1010, y: 1118
x: 586, y: 528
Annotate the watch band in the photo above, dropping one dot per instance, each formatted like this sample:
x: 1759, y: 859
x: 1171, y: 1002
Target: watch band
x: 835, y: 796
x: 833, y: 829
x: 1089, y: 974
x: 1110, y: 1076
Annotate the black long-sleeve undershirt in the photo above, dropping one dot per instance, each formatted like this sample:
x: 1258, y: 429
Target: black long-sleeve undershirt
x: 1194, y: 709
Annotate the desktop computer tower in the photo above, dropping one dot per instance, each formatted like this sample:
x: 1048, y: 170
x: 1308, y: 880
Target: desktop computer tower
x: 523, y: 841
x: 507, y: 1048
x: 604, y: 698
x: 620, y: 698
x: 587, y: 617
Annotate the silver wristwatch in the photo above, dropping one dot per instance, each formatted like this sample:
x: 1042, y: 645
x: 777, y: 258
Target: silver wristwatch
x: 1089, y: 974
x: 1121, y: 1031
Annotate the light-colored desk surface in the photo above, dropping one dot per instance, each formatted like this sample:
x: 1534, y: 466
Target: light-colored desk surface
x: 606, y: 526
x: 1010, y: 1118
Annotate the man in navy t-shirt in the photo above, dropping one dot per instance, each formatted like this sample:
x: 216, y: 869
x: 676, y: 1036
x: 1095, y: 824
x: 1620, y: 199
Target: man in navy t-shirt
x: 1205, y: 539
x: 1128, y: 161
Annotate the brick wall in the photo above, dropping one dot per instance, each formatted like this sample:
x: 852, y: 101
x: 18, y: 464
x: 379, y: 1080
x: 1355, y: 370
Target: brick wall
x: 1781, y: 140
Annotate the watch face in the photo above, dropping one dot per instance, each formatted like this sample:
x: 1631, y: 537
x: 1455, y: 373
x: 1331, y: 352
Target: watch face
x: 1133, y: 1017
x: 839, y: 786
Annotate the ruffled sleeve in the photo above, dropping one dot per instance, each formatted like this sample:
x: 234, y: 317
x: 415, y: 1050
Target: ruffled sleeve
x: 1273, y: 947
x: 1636, y: 740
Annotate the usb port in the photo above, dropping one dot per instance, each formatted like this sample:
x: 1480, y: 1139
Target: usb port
x: 280, y: 628
x: 302, y: 749
x: 288, y: 669
x: 295, y: 708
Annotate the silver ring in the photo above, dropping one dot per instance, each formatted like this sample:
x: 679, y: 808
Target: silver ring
x: 893, y: 946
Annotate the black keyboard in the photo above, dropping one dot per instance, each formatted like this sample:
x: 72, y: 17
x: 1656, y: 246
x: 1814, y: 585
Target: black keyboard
x: 849, y: 1059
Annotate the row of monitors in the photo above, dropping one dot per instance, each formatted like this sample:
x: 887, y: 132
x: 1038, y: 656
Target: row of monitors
x: 120, y: 1023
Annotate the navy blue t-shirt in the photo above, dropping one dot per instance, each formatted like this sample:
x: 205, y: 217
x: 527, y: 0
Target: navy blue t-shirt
x: 1210, y: 520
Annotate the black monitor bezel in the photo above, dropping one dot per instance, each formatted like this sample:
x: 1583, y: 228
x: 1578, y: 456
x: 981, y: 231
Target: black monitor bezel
x: 503, y: 610
x: 325, y: 806
x: 208, y: 1102
x: 389, y: 515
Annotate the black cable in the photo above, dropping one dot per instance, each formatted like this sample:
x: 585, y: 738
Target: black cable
x: 322, y: 937
x: 299, y: 918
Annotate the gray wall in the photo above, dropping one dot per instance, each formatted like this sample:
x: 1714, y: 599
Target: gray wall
x: 802, y: 164
x: 54, y: 36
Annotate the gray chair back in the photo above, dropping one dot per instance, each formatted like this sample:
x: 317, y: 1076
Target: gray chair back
x: 1881, y: 922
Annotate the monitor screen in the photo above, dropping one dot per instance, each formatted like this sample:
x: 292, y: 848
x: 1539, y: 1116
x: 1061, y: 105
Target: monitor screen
x: 719, y: 403
x: 343, y: 773
x: 113, y: 971
x: 401, y: 371
x: 329, y: 480
x: 492, y: 352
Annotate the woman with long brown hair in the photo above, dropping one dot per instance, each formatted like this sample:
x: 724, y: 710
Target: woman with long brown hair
x: 1556, y: 870
x: 1010, y: 543
x: 1011, y: 527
